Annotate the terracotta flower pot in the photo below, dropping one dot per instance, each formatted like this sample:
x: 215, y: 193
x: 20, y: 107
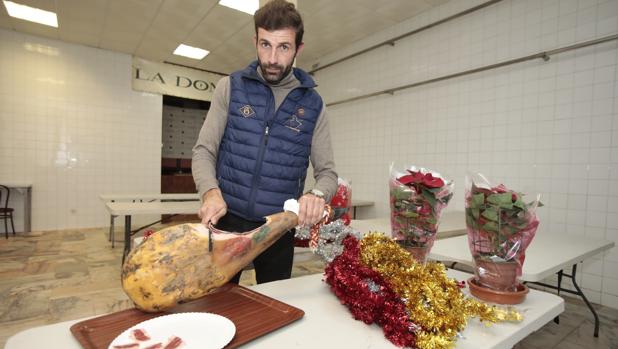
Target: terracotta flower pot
x: 500, y: 276
x: 501, y: 297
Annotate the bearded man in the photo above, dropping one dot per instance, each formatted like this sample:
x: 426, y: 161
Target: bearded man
x: 265, y: 124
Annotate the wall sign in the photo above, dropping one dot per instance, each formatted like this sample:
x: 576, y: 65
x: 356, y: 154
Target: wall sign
x: 173, y: 80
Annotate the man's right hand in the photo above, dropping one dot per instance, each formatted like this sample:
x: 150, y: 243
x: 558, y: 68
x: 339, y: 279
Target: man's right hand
x: 213, y: 207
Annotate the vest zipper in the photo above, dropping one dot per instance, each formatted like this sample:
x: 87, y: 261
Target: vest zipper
x: 258, y: 168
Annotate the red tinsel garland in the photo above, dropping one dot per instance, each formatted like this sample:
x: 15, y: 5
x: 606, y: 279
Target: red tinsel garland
x: 368, y: 296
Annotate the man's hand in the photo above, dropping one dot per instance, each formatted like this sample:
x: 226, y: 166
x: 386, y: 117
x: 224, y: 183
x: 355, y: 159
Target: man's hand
x: 213, y: 208
x: 311, y: 210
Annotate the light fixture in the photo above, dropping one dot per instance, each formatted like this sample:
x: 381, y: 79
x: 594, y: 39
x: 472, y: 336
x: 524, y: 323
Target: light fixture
x: 31, y: 14
x: 190, y: 51
x: 247, y: 6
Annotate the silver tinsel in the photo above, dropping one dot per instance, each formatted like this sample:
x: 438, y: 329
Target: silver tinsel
x: 372, y: 286
x: 330, y: 240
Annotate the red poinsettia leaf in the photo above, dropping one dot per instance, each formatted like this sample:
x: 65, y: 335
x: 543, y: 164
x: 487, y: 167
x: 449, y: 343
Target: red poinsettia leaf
x: 418, y: 177
x: 433, y: 182
x: 406, y: 179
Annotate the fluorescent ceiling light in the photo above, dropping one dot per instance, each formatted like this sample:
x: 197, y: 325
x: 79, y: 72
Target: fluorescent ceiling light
x: 247, y: 6
x: 190, y: 51
x: 31, y: 14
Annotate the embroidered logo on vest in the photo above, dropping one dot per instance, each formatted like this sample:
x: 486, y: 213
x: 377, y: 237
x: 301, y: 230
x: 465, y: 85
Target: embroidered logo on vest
x: 293, y: 123
x: 246, y: 111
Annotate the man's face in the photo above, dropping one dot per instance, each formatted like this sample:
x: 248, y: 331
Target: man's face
x: 276, y: 51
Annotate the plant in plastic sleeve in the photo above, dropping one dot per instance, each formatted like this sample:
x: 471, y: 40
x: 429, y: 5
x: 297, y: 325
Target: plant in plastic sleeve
x: 500, y: 227
x: 343, y: 199
x: 340, y: 203
x: 417, y: 197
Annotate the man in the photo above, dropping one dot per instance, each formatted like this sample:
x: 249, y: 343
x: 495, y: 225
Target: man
x: 264, y: 125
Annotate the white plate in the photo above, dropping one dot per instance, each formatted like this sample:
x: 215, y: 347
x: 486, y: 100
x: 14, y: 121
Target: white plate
x: 197, y: 330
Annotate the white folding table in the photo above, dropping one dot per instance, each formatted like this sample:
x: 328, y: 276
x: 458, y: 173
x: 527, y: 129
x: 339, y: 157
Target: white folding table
x: 119, y: 205
x: 129, y: 209
x: 548, y: 254
x: 359, y: 203
x: 141, y: 197
x: 328, y: 324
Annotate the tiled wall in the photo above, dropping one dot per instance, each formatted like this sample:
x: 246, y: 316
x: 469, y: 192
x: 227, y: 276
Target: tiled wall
x: 541, y: 127
x: 71, y: 125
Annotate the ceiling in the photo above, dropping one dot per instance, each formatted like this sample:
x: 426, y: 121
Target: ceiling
x: 152, y: 29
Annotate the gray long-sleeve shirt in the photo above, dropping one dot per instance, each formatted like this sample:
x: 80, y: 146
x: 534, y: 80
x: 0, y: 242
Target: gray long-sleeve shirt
x: 207, y: 147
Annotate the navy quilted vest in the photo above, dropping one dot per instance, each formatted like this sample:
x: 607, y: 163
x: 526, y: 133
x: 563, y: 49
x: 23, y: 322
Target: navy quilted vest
x: 264, y: 153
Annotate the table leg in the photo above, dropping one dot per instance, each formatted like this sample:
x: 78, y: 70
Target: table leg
x: 127, y: 237
x: 112, y: 235
x: 578, y: 292
x: 581, y: 294
x: 560, y: 274
x: 28, y: 210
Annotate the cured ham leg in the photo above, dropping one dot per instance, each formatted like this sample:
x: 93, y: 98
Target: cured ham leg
x: 188, y: 261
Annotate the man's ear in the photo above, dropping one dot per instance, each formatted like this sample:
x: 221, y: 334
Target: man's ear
x: 300, y: 48
x: 255, y: 40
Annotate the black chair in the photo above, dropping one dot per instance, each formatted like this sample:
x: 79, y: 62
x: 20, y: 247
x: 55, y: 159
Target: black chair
x: 6, y: 212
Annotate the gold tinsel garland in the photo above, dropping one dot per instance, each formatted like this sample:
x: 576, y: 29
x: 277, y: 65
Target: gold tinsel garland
x: 434, y: 300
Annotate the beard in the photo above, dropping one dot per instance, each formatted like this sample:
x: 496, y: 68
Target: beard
x: 274, y: 73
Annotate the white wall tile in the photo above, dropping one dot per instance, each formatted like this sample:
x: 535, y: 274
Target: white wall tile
x: 76, y: 129
x: 610, y: 285
x: 609, y: 300
x: 549, y: 126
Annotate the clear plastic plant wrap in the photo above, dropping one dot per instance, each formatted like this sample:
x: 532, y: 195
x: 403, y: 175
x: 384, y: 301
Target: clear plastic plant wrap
x: 500, y: 227
x: 343, y: 199
x: 417, y: 198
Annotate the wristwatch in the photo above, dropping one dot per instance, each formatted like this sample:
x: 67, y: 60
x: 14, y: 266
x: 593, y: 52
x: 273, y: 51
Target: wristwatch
x: 316, y: 192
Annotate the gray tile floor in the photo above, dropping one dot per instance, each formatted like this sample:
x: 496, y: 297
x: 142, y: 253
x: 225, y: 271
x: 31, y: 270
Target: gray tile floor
x: 62, y: 275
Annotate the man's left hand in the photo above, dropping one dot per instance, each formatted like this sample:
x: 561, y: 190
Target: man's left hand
x: 311, y: 210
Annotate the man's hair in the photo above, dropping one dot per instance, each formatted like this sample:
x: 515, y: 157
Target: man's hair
x: 279, y: 14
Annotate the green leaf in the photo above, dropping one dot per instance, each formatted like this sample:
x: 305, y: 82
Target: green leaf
x: 429, y: 197
x: 475, y: 213
x: 519, y: 204
x: 399, y: 194
x: 500, y: 199
x: 409, y: 214
x: 503, y: 200
x: 491, y: 213
x: 477, y: 200
x: 491, y: 227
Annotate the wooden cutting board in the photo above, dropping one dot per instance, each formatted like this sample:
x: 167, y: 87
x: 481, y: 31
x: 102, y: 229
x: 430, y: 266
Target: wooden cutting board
x: 252, y: 313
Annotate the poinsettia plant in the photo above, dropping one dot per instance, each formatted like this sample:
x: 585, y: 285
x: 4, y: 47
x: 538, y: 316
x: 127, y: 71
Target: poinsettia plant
x: 341, y: 204
x: 500, y: 223
x: 343, y: 199
x: 417, y: 198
